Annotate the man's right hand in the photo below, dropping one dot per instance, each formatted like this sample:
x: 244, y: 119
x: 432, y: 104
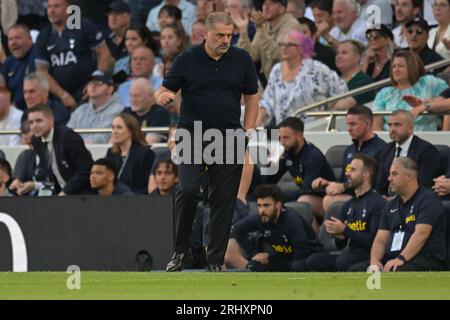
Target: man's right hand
x: 164, y: 98
x: 26, y: 188
x: 16, y: 184
x: 319, y: 183
x: 375, y: 266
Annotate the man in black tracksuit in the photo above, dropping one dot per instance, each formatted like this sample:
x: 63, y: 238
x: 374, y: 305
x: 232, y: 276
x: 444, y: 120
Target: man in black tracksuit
x: 305, y: 163
x: 358, y: 222
x: 281, y: 239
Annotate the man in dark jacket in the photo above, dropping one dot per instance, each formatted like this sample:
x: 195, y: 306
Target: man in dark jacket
x: 406, y: 144
x: 65, y: 162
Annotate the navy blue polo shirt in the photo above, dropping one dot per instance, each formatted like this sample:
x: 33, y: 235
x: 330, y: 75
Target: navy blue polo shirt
x: 291, y: 237
x: 69, y: 55
x: 424, y: 207
x: 158, y: 116
x: 372, y: 148
x: 211, y: 90
x: 305, y: 166
x: 117, y: 50
x: 363, y: 218
x: 14, y: 71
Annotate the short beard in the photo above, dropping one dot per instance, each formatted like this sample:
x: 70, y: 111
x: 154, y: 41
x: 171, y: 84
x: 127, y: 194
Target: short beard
x: 221, y: 51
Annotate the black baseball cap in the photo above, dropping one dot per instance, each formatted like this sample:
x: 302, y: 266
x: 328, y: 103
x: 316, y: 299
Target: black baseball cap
x: 101, y: 76
x: 420, y: 22
x: 119, y: 6
x: 383, y: 30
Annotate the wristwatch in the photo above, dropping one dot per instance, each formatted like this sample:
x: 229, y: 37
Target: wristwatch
x: 427, y: 106
x: 400, y: 257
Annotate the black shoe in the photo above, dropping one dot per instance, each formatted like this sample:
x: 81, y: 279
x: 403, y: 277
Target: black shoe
x: 214, y: 268
x: 176, y: 263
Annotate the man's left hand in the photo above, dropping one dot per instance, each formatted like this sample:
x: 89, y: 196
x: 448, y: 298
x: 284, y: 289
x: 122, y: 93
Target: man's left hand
x: 393, y: 265
x: 334, y: 226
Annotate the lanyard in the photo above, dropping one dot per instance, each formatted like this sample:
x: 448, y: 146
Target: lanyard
x: 124, y: 162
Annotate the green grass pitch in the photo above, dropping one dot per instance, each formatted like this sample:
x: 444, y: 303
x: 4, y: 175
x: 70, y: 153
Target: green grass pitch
x: 223, y: 286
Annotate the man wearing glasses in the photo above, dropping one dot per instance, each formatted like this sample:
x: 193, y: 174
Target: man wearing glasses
x: 417, y: 37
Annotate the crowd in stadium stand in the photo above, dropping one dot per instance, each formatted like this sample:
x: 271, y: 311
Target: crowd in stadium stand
x: 104, y: 74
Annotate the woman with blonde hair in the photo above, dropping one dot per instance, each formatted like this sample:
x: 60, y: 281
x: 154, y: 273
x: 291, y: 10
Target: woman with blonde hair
x: 130, y: 153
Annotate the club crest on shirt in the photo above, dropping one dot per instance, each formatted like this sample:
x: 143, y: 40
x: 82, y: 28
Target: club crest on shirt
x: 298, y: 180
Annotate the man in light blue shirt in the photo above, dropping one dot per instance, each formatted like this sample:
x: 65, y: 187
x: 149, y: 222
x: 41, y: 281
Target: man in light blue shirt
x: 142, y: 65
x: 100, y: 111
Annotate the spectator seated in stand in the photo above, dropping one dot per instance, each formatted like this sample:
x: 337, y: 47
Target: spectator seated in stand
x: 99, y: 111
x: 408, y: 78
x: 103, y: 179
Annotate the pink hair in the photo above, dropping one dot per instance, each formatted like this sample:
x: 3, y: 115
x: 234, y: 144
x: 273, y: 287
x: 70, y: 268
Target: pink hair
x: 305, y: 43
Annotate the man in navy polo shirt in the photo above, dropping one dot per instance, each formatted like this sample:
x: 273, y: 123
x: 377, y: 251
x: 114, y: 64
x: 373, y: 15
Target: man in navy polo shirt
x: 359, y: 121
x: 212, y: 77
x: 411, y: 235
x: 305, y: 162
x: 281, y: 240
x: 66, y: 54
x: 20, y: 63
x: 119, y: 18
x: 358, y: 222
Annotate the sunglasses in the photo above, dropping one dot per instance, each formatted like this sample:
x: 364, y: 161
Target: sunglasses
x: 373, y: 36
x: 418, y: 31
x: 287, y: 45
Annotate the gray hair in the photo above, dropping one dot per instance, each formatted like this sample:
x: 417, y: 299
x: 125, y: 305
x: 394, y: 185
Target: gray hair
x: 408, y: 164
x: 40, y: 78
x: 144, y: 83
x: 405, y: 113
x: 351, y: 4
x: 217, y: 17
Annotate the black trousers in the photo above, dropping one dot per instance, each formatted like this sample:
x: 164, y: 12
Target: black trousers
x: 418, y: 263
x: 325, y: 262
x: 223, y: 182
